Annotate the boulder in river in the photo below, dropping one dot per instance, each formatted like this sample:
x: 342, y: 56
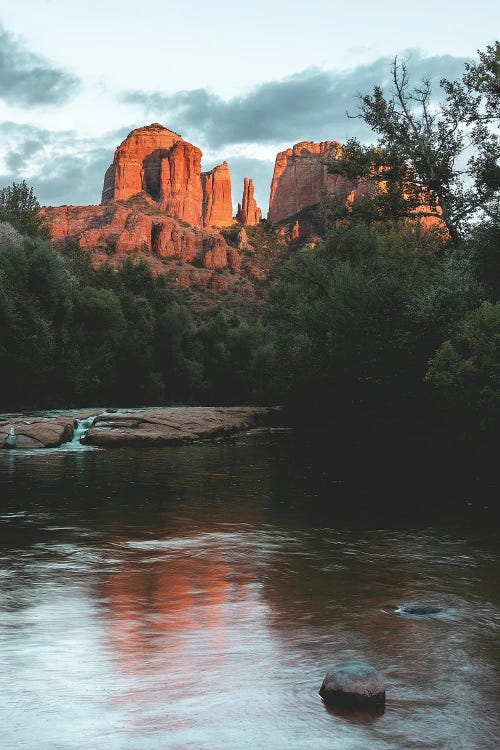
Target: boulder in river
x: 35, y: 432
x: 350, y: 683
x: 419, y: 609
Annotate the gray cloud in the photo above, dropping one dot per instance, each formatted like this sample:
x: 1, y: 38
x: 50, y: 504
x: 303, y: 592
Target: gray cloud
x: 65, y: 168
x: 310, y: 105
x: 28, y: 80
x: 62, y: 167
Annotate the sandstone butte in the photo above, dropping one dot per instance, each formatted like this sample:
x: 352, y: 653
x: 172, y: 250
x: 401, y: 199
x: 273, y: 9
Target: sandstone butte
x: 156, y: 200
x: 248, y: 214
x: 300, y: 178
x: 160, y: 163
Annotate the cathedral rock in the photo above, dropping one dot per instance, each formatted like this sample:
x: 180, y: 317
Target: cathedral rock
x: 155, y: 200
x: 159, y: 163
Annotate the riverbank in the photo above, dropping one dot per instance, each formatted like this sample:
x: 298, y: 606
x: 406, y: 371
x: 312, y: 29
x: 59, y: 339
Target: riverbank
x: 112, y: 428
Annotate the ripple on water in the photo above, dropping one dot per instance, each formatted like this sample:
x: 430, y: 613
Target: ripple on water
x: 207, y: 615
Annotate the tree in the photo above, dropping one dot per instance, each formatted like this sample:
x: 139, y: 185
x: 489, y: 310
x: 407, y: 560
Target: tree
x: 417, y: 163
x: 465, y: 369
x: 356, y: 320
x: 20, y: 207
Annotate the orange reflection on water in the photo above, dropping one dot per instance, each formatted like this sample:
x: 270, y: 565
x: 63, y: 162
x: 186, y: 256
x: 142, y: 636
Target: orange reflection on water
x: 164, y: 605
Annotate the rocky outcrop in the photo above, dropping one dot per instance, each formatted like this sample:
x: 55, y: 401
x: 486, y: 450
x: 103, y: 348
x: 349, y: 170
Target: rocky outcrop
x: 179, y: 425
x: 117, y: 229
x: 137, y: 163
x: 301, y: 178
x: 181, y: 193
x: 249, y: 214
x: 217, y: 201
x: 353, y: 684
x: 160, y: 164
x: 148, y: 427
x: 21, y: 432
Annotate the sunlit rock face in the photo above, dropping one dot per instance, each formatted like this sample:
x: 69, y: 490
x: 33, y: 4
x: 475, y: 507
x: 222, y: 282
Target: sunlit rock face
x: 159, y: 163
x: 180, y: 189
x: 124, y: 230
x: 249, y: 214
x: 301, y: 178
x: 155, y: 200
x: 217, y: 201
x: 137, y: 163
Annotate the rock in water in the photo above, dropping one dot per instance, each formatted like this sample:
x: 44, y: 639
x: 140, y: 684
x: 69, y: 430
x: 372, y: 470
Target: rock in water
x: 353, y: 684
x: 420, y: 609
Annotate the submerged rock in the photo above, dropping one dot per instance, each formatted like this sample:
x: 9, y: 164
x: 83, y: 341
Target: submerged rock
x: 419, y: 609
x: 353, y: 684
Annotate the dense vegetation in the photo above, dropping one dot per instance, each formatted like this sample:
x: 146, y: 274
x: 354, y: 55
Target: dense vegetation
x: 382, y: 322
x: 72, y: 335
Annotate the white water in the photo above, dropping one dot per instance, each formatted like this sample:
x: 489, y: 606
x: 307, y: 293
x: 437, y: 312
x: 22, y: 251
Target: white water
x: 82, y: 426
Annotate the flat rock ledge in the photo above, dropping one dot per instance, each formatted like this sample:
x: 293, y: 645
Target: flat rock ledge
x: 175, y: 425
x: 36, y: 432
x: 161, y: 426
x: 353, y: 684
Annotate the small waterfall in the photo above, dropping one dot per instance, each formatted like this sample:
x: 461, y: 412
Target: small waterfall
x: 82, y: 425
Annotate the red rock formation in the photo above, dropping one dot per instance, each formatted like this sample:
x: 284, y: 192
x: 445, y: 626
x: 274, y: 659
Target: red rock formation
x: 300, y: 178
x: 217, y: 201
x: 159, y: 164
x: 137, y: 163
x: 181, y: 194
x: 249, y: 213
x: 116, y: 227
x: 216, y: 253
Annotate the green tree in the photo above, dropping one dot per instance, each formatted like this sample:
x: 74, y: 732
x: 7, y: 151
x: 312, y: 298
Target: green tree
x: 35, y: 307
x: 416, y: 163
x: 356, y: 321
x: 20, y: 207
x: 99, y: 327
x: 465, y: 370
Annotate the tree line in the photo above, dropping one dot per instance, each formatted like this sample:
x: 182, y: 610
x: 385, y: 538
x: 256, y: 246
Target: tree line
x: 383, y: 321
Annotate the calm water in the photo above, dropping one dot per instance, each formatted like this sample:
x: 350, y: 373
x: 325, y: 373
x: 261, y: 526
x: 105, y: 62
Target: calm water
x: 193, y: 597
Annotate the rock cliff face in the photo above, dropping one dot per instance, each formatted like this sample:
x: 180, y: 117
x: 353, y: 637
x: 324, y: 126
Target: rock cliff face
x: 119, y: 229
x: 217, y: 202
x: 158, y: 162
x: 137, y: 163
x: 181, y: 194
x: 300, y: 178
x: 249, y: 214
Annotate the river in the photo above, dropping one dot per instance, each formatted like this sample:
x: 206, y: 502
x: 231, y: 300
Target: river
x: 194, y: 597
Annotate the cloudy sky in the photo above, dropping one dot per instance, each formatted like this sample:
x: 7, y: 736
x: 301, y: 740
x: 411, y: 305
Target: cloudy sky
x: 240, y: 80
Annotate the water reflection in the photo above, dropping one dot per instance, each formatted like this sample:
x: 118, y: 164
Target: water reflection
x: 196, y: 597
